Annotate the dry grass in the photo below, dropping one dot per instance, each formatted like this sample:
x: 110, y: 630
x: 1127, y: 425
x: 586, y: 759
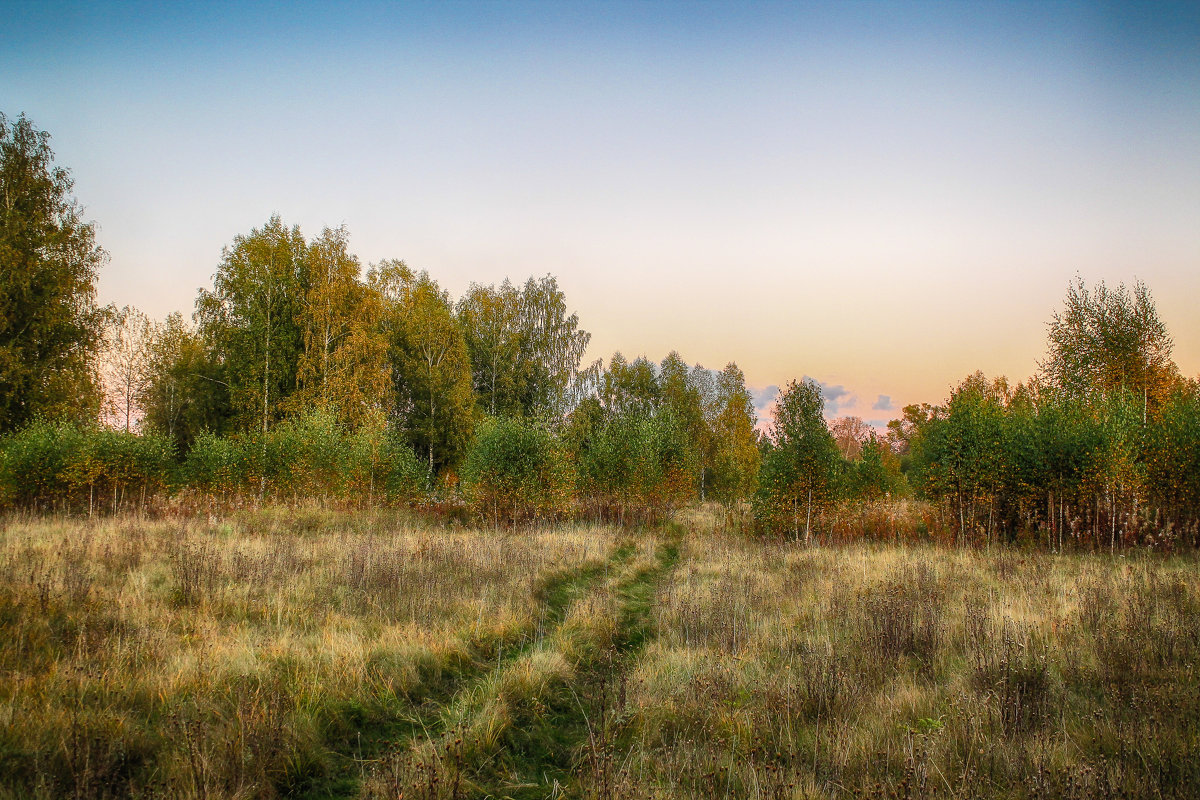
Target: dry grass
x: 893, y: 672
x: 227, y: 658
x: 303, y: 652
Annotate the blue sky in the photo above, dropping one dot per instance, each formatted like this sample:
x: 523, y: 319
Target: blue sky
x: 885, y: 196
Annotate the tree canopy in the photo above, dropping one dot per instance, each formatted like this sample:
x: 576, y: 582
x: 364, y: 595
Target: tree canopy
x: 50, y: 324
x: 1105, y: 340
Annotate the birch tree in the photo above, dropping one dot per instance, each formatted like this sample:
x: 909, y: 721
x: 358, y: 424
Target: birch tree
x: 431, y: 371
x: 736, y: 459
x: 185, y: 392
x: 1108, y: 340
x: 344, y: 365
x: 798, y: 470
x: 125, y: 367
x: 525, y: 348
x: 252, y: 320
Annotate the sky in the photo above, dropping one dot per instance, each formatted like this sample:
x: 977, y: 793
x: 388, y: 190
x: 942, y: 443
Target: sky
x: 883, y: 196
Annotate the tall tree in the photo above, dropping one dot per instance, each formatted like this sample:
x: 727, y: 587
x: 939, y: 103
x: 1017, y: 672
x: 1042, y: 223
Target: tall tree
x: 252, y: 319
x: 682, y: 395
x: 960, y: 452
x: 491, y: 322
x: 1172, y: 459
x: 1105, y: 340
x: 800, y: 462
x: 870, y: 477
x: 554, y: 346
x: 525, y: 348
x: 344, y: 365
x: 50, y: 324
x: 736, y: 459
x: 630, y: 386
x: 1119, y: 464
x: 850, y: 433
x: 185, y: 392
x: 430, y: 366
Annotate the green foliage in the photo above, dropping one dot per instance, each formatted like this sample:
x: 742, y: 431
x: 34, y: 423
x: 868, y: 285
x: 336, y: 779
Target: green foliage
x: 35, y: 462
x: 1119, y: 471
x: 1094, y: 470
x: 870, y: 477
x: 184, y: 393
x: 1051, y: 448
x: 253, y: 321
x: 638, y: 464
x: 959, y: 453
x: 735, y: 459
x: 517, y: 470
x: 1172, y: 458
x: 344, y: 363
x: 337, y: 387
x: 50, y: 325
x: 648, y: 439
x: 800, y: 464
x: 312, y: 455
x: 630, y: 386
x: 431, y: 370
x: 1106, y: 340
x: 524, y: 347
x: 215, y: 464
x: 65, y: 466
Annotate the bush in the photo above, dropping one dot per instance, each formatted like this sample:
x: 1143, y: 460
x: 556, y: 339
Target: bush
x: 215, y: 464
x: 34, y: 461
x: 119, y: 468
x: 390, y: 463
x: 61, y: 465
x: 639, y: 466
x: 517, y: 470
x: 312, y: 455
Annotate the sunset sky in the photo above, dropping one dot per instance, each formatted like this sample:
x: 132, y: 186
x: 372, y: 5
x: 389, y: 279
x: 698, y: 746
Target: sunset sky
x: 882, y: 196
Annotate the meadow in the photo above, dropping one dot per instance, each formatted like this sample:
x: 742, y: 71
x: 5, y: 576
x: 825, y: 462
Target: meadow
x: 305, y: 652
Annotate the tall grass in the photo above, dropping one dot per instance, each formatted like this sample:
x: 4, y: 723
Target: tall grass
x: 882, y: 672
x: 305, y: 652
x: 250, y: 657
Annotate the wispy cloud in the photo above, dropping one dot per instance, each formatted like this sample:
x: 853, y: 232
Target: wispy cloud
x: 764, y: 405
x: 765, y: 397
x: 883, y: 403
x: 837, y: 398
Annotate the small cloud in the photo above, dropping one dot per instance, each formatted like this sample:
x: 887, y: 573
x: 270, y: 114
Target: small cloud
x: 765, y: 397
x: 837, y: 398
x: 884, y: 403
x: 764, y: 405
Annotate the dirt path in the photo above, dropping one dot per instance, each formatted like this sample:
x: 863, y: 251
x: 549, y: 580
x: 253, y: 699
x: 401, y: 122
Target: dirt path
x: 537, y: 724
x: 405, y: 727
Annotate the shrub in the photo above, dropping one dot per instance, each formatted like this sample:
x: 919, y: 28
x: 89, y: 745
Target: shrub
x: 312, y: 455
x: 34, y: 462
x: 61, y: 464
x: 638, y: 466
x: 215, y: 464
x: 111, y: 465
x: 517, y: 470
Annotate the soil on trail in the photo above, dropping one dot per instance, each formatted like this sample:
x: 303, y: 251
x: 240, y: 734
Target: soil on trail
x: 529, y: 715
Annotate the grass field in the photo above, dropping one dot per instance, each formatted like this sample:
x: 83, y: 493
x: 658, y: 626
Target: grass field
x: 309, y: 653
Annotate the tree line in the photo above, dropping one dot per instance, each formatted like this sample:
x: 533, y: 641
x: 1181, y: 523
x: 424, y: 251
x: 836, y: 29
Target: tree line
x: 304, y: 373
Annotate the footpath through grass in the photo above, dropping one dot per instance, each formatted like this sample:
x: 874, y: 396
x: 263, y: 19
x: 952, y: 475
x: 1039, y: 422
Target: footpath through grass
x: 275, y: 653
x: 535, y: 725
x: 356, y: 739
